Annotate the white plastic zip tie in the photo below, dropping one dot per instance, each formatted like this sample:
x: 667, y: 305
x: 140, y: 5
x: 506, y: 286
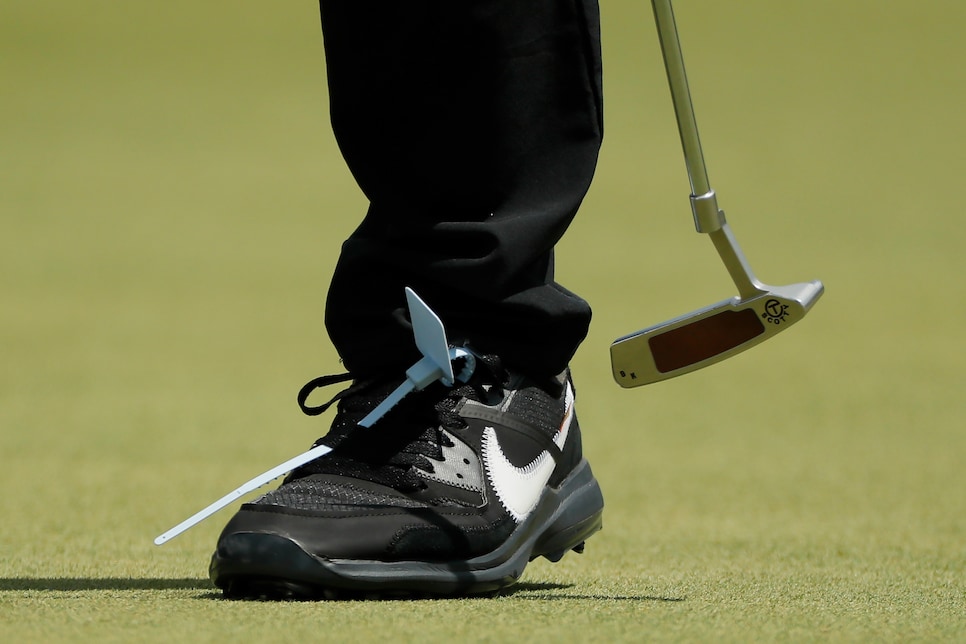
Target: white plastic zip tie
x: 436, y: 364
x: 254, y: 484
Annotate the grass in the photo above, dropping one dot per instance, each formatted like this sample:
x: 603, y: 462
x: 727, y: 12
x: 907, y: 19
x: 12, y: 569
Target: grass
x: 172, y: 205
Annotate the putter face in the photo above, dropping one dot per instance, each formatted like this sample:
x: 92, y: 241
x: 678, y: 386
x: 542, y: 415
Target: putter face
x: 709, y: 335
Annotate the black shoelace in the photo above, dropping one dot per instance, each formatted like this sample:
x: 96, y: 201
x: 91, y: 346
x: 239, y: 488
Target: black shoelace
x: 410, y: 436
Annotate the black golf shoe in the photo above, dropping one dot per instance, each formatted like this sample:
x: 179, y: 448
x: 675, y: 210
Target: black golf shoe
x: 452, y: 492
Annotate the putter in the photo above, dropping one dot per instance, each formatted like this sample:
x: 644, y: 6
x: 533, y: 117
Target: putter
x: 712, y: 334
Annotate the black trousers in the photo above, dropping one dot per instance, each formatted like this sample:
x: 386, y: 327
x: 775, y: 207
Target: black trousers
x: 473, y: 128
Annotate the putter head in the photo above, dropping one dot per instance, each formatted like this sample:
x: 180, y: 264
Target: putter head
x: 712, y: 334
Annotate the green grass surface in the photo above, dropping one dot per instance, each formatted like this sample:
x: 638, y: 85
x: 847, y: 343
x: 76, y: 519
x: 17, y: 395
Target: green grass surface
x: 172, y: 203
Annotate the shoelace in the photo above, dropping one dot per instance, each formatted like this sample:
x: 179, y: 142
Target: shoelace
x: 325, y: 381
x: 392, y: 458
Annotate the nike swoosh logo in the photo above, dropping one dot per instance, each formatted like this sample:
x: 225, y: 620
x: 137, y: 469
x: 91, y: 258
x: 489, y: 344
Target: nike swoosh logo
x: 519, y: 488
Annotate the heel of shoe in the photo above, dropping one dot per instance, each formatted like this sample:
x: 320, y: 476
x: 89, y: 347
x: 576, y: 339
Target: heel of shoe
x: 577, y: 518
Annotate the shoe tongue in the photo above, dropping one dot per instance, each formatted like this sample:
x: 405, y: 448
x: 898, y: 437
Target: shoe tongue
x: 390, y: 475
x: 385, y: 452
x: 394, y: 471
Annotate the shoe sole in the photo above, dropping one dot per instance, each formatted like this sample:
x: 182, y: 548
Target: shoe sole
x: 267, y: 566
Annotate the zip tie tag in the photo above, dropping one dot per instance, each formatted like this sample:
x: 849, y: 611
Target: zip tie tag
x: 436, y: 364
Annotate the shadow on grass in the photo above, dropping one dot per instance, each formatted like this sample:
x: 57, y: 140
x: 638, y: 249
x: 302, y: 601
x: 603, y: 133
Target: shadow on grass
x: 537, y: 591
x: 550, y: 592
x: 67, y: 584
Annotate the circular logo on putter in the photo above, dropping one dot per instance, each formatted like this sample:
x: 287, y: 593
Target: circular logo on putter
x: 775, y: 311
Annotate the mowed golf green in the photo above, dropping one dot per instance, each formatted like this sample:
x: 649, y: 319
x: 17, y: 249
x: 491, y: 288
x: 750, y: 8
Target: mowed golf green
x: 172, y: 205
